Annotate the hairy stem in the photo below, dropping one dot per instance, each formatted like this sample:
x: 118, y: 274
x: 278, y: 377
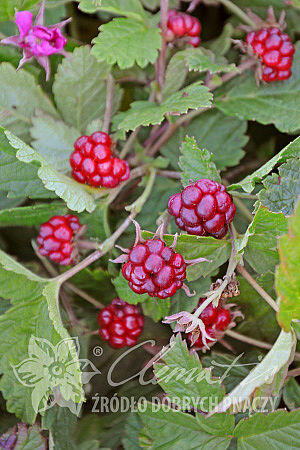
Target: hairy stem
x: 232, y: 7
x: 84, y: 295
x: 257, y: 287
x: 248, y: 340
x: 162, y: 57
x: 110, y: 86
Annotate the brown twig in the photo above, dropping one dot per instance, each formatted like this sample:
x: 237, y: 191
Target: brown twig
x: 84, y: 295
x: 110, y: 85
x: 169, y: 174
x: 162, y: 57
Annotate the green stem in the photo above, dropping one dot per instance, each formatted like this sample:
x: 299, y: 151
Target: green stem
x: 243, y: 195
x: 238, y: 12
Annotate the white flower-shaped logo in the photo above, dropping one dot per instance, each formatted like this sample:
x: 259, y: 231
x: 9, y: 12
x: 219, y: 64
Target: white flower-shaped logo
x: 55, y: 373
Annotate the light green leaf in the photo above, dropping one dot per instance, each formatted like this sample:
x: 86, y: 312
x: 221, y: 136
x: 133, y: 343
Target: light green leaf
x: 222, y: 136
x: 281, y: 193
x: 194, y: 96
x: 128, y: 8
x: 175, y: 74
x: 222, y: 44
x: 201, y: 60
x: 269, y: 104
x: 127, y: 294
x: 263, y: 374
x: 80, y: 89
x: 30, y: 216
x: 287, y: 274
x: 181, y: 375
x: 20, y: 96
x: 292, y: 150
x: 279, y: 429
x: 54, y: 140
x: 156, y: 308
x: 259, y: 243
x: 7, y: 7
x: 76, y: 196
x: 196, y: 163
x: 127, y: 41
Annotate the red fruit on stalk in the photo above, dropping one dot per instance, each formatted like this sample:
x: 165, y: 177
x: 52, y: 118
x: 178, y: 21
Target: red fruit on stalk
x: 55, y: 238
x: 120, y: 324
x: 181, y: 25
x: 203, y: 209
x: 93, y: 164
x: 275, y: 50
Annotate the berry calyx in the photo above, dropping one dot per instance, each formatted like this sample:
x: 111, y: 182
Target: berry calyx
x: 274, y: 50
x: 121, y: 324
x: 56, y: 239
x: 203, y: 209
x: 92, y: 162
x: 181, y: 25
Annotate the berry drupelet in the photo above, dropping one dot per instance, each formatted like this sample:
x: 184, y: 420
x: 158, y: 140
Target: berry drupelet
x: 120, y: 324
x: 93, y: 164
x: 203, y: 209
x: 275, y: 51
x: 180, y: 25
x: 55, y: 239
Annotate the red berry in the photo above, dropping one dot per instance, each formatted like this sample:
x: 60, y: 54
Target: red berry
x: 275, y: 51
x: 92, y: 162
x: 120, y: 324
x: 194, y: 41
x: 155, y: 269
x: 176, y: 24
x: 199, y: 343
x: 180, y: 25
x: 209, y: 314
x: 203, y: 208
x: 55, y: 238
x: 223, y: 319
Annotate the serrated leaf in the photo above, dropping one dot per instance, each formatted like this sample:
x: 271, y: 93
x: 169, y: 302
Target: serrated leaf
x: 267, y: 104
x: 291, y: 394
x: 156, y: 308
x: 201, y: 60
x: 54, y: 140
x: 128, y: 8
x: 194, y: 96
x: 35, y: 303
x: 292, y: 150
x: 222, y: 136
x: 259, y: 243
x: 287, y: 274
x: 80, y: 89
x: 279, y: 429
x: 176, y: 73
x: 61, y: 422
x: 127, y: 294
x: 127, y: 41
x: 20, y: 96
x: 189, y: 378
x: 263, y: 374
x: 74, y: 194
x: 30, y: 216
x: 196, y: 163
x: 176, y: 430
x: 281, y: 193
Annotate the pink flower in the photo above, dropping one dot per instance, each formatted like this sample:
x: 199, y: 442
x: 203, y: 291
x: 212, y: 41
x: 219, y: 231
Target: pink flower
x: 36, y: 40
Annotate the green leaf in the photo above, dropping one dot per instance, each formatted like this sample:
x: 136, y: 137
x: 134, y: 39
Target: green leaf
x: 74, y: 194
x: 264, y: 374
x: 259, y: 243
x: 196, y: 163
x: 80, y: 89
x: 222, y: 136
x: 181, y: 302
x: 194, y: 96
x: 182, y: 375
x: 125, y: 293
x: 176, y: 430
x: 291, y: 394
x: 222, y: 44
x: 33, y: 318
x: 26, y: 438
x: 54, y: 140
x: 128, y: 8
x: 281, y: 194
x: 269, y: 104
x: 287, y: 274
x: 7, y: 7
x: 201, y: 60
x: 292, y: 150
x: 30, y: 216
x: 279, y: 429
x: 156, y: 308
x: 132, y: 429
x: 61, y: 422
x: 175, y: 74
x: 127, y: 41
x: 96, y: 283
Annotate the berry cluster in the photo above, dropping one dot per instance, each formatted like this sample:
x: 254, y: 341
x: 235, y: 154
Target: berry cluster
x: 181, y: 25
x: 216, y: 320
x: 55, y: 238
x: 93, y: 164
x: 203, y: 208
x: 275, y: 50
x: 120, y: 324
x: 155, y: 269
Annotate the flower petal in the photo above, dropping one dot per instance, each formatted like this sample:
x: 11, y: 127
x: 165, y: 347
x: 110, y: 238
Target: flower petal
x: 13, y: 40
x: 39, y: 20
x: 44, y: 62
x: 24, y: 22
